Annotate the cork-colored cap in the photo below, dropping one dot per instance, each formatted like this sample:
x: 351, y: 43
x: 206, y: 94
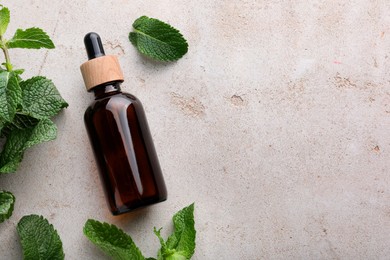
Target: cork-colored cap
x: 101, y: 70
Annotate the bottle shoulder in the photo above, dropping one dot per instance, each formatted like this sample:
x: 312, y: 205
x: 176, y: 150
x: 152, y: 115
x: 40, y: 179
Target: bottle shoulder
x: 118, y: 97
x: 108, y: 102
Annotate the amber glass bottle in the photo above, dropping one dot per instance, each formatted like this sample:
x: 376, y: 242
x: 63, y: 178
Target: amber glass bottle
x: 120, y: 136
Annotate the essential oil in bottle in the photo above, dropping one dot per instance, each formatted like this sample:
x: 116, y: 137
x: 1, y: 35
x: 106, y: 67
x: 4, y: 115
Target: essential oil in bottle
x: 119, y: 135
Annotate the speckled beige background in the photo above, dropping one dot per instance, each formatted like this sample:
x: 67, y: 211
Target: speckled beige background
x: 276, y: 123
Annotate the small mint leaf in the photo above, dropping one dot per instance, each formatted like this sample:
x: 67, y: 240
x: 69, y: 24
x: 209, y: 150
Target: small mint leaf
x: 158, y: 234
x: 7, y: 201
x: 10, y: 95
x: 4, y: 20
x: 164, y: 251
x: 112, y: 240
x: 41, y: 98
x: 39, y: 239
x: 19, y: 71
x: 32, y: 38
x: 19, y: 140
x: 157, y: 39
x: 183, y: 238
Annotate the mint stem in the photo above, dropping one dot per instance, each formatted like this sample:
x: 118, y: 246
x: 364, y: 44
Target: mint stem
x: 6, y: 54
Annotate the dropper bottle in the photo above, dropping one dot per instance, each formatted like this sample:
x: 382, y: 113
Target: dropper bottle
x: 119, y: 135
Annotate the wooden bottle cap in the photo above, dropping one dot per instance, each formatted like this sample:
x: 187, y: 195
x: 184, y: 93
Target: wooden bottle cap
x: 101, y: 70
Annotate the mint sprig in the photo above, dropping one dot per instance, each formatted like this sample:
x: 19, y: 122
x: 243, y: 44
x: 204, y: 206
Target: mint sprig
x: 7, y: 201
x: 39, y: 239
x: 158, y: 40
x: 26, y: 106
x: 117, y: 244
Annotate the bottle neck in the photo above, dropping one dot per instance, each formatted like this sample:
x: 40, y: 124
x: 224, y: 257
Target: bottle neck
x: 107, y: 89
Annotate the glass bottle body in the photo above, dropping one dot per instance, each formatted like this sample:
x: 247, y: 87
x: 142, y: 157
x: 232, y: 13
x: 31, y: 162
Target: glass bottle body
x: 124, y: 150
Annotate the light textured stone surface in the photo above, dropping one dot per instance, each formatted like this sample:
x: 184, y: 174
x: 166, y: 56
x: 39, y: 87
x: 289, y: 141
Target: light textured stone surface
x: 276, y: 123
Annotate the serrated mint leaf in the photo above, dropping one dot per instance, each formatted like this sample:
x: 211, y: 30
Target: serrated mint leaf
x: 4, y: 20
x: 112, y: 240
x: 183, y: 238
x: 39, y: 239
x: 32, y: 38
x: 10, y: 95
x: 44, y: 131
x: 41, y: 98
x: 21, y: 121
x: 7, y: 201
x: 19, y: 140
x: 157, y: 39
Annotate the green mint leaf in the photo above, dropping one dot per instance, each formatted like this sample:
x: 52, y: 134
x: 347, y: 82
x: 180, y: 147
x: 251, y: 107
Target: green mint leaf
x: 44, y: 131
x: 41, y: 98
x: 7, y: 201
x: 39, y: 239
x: 157, y: 39
x: 183, y: 238
x: 112, y: 240
x: 32, y: 38
x: 18, y: 72
x: 164, y: 252
x: 4, y: 20
x: 158, y: 234
x: 21, y: 121
x: 10, y: 95
x: 20, y: 139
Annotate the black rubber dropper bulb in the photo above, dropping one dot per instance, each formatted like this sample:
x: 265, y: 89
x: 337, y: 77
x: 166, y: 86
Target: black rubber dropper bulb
x: 93, y: 45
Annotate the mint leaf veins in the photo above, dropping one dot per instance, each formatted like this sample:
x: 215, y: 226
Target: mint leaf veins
x: 7, y: 201
x: 112, y: 240
x: 41, y: 98
x: 39, y: 239
x: 158, y: 40
x: 32, y: 38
